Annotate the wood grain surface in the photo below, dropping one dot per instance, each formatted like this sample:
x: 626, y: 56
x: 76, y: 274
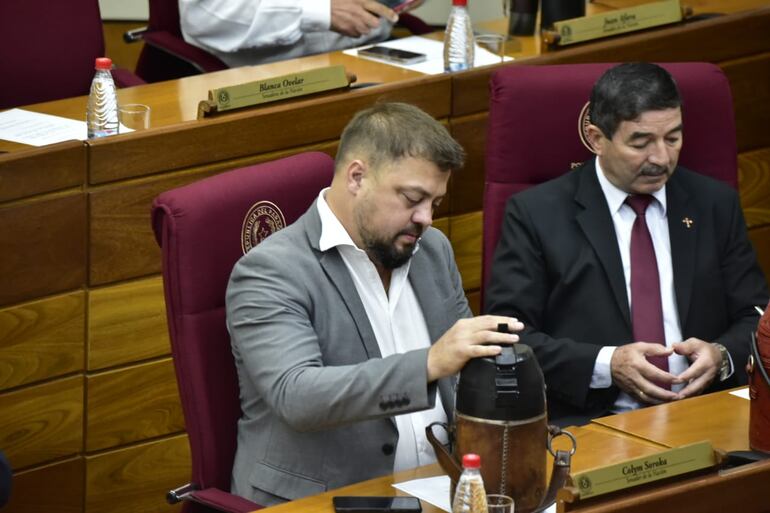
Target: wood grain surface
x: 126, y: 323
x: 131, y: 404
x: 58, y: 487
x: 41, y: 339
x: 720, y: 418
x: 136, y: 478
x: 44, y: 247
x: 42, y: 422
x: 50, y: 168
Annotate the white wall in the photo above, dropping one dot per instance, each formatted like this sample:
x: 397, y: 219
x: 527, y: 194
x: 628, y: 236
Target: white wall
x: 134, y: 10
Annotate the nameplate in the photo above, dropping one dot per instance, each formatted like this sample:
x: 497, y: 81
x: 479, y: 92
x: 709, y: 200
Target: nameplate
x: 620, y: 21
x: 276, y: 88
x: 628, y: 474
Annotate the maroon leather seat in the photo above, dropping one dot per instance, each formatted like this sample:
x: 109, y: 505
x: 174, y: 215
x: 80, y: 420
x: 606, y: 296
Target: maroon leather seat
x: 533, y: 130
x: 47, y: 51
x: 202, y: 229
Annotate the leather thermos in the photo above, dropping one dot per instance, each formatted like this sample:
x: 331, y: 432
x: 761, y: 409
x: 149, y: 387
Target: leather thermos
x: 759, y: 387
x: 500, y: 414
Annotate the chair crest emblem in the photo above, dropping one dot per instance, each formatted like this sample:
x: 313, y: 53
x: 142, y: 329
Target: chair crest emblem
x: 583, y: 121
x: 263, y: 219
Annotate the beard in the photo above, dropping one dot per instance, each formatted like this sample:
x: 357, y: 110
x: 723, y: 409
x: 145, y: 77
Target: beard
x: 384, y: 250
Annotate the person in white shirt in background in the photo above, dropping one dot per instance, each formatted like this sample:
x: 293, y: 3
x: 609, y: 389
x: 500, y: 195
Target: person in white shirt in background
x: 248, y: 32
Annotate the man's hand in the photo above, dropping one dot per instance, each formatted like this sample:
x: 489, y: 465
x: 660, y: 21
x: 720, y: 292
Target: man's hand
x: 469, y: 338
x: 705, y: 361
x: 358, y: 17
x: 636, y: 376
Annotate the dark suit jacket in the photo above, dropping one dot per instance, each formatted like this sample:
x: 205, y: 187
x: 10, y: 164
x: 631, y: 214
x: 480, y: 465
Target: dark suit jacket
x: 558, y: 269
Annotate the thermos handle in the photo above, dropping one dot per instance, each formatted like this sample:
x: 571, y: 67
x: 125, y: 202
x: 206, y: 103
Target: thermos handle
x: 562, y: 461
x: 447, y: 462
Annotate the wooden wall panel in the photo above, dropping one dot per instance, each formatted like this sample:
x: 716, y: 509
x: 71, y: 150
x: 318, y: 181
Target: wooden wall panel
x: 127, y: 323
x: 42, y: 422
x: 750, y: 85
x: 260, y: 130
x: 137, y: 478
x: 760, y: 239
x: 466, y: 237
x: 122, y: 245
x: 39, y: 170
x: 56, y: 488
x: 41, y: 339
x: 44, y: 247
x: 131, y: 404
x: 754, y: 185
x: 467, y: 187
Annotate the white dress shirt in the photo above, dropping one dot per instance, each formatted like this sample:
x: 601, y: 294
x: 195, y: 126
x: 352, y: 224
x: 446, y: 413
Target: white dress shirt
x: 247, y: 32
x: 623, y: 217
x: 398, y: 324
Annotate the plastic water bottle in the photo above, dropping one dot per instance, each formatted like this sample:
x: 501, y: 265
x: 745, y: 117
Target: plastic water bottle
x: 470, y: 496
x: 458, y: 38
x: 102, y: 110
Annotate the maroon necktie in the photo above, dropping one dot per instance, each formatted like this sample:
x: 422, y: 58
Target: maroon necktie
x: 646, y: 309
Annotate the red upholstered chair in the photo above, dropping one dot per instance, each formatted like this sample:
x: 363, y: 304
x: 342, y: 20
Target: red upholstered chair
x: 533, y: 130
x: 47, y: 50
x: 202, y: 229
x: 166, y: 55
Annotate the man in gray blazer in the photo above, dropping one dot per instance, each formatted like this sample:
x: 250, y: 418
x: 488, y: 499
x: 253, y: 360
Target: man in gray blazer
x: 347, y: 323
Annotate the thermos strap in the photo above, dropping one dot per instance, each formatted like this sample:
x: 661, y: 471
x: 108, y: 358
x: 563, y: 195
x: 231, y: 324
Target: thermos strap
x: 447, y: 462
x: 562, y: 461
x: 758, y: 361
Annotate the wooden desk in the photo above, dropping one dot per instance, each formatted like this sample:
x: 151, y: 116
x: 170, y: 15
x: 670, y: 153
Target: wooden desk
x: 81, y: 307
x: 720, y: 418
x: 595, y: 448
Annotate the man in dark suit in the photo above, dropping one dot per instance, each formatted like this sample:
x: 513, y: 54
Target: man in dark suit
x: 628, y: 305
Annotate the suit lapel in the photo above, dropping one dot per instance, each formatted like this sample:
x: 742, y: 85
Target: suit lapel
x: 338, y: 274
x: 683, y: 233
x: 597, y: 225
x: 421, y: 274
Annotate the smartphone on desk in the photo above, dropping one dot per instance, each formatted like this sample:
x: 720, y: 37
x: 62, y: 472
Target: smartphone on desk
x: 350, y: 504
x: 395, y: 55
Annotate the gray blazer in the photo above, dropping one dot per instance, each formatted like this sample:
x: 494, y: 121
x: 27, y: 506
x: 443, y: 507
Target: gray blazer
x: 317, y: 397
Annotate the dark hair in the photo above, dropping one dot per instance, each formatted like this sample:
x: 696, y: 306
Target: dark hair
x: 626, y: 91
x: 388, y: 132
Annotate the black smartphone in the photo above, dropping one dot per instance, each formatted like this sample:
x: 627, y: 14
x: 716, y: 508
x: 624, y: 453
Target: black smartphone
x: 350, y: 504
x: 392, y: 55
x: 397, y: 5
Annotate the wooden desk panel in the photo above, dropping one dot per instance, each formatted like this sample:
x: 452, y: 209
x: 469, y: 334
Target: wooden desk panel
x: 595, y: 448
x: 251, y: 132
x: 721, y: 418
x: 44, y: 247
x: 30, y: 171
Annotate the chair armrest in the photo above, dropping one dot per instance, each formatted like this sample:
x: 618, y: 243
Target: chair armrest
x: 223, y: 501
x: 134, y: 35
x: 200, y: 59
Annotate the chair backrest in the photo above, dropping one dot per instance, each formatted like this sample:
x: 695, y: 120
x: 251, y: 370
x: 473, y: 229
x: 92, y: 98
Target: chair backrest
x: 202, y: 229
x: 47, y: 49
x: 535, y: 119
x: 166, y: 55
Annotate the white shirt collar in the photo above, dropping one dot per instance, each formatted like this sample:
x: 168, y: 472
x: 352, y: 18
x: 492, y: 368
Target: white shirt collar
x: 333, y: 234
x: 616, y: 197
